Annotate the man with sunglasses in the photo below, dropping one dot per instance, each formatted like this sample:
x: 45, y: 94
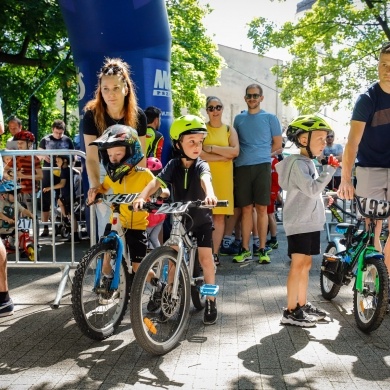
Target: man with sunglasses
x: 337, y: 151
x: 259, y: 134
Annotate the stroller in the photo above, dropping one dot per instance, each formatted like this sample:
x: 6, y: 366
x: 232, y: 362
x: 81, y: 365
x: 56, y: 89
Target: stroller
x: 24, y: 225
x: 63, y: 225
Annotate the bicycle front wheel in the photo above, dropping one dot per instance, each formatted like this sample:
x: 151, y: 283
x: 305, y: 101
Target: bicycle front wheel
x: 158, y: 318
x: 370, y: 304
x: 329, y: 290
x: 97, y: 309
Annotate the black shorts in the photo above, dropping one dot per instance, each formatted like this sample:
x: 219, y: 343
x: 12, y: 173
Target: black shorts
x: 252, y: 184
x: 137, y: 242
x: 304, y: 243
x: 204, y: 236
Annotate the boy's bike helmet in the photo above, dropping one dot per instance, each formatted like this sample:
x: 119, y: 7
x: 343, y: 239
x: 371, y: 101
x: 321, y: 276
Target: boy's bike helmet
x: 119, y: 135
x: 303, y: 124
x: 186, y: 124
x: 24, y: 135
x: 8, y: 187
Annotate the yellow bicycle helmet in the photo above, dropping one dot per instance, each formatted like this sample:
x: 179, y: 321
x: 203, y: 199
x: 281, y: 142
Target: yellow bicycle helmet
x: 187, y: 124
x: 306, y: 123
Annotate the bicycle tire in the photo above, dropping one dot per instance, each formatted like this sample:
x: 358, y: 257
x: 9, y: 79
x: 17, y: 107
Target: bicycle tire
x: 159, y: 332
x: 371, y: 305
x: 329, y: 290
x: 198, y: 300
x: 30, y: 252
x: 96, y: 317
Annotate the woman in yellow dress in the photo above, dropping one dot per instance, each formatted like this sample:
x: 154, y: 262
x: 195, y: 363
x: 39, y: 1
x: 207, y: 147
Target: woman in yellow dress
x: 220, y: 147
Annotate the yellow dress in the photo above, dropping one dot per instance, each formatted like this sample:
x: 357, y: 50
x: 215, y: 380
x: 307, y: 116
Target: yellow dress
x: 221, y: 171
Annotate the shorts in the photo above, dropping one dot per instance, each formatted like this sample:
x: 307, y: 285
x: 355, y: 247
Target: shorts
x: 271, y: 206
x: 204, y: 236
x: 136, y: 241
x: 373, y: 183
x: 252, y: 184
x: 304, y: 243
x: 66, y: 204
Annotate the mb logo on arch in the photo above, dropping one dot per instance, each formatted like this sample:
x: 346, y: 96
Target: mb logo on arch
x: 162, y: 83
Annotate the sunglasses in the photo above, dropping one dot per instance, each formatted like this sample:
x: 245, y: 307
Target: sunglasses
x: 329, y: 136
x: 252, y: 96
x: 212, y: 108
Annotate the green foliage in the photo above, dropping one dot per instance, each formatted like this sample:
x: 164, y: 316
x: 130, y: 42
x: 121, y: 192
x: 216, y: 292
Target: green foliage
x: 35, y: 59
x: 334, y: 49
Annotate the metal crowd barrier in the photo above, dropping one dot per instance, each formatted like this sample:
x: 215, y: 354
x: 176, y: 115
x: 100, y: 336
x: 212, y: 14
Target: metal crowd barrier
x: 53, y: 261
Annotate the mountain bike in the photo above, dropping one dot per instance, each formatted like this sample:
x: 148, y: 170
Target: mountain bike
x: 99, y: 302
x: 178, y: 276
x: 354, y: 256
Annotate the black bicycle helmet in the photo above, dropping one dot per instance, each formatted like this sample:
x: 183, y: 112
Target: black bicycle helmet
x: 119, y: 135
x: 303, y: 124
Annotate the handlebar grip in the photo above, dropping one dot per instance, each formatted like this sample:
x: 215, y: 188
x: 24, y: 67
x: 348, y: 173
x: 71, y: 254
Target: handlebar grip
x: 222, y: 203
x: 331, y: 193
x: 98, y: 198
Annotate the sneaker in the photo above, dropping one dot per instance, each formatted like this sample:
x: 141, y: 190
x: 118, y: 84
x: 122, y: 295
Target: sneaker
x: 216, y: 259
x: 210, y: 312
x: 297, y: 317
x: 245, y: 255
x: 272, y: 244
x: 313, y: 311
x: 256, y: 250
x: 263, y: 257
x: 6, y: 308
x: 45, y: 233
x: 155, y: 300
x: 231, y: 250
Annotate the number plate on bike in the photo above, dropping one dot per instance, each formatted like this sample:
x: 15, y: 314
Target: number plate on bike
x: 121, y: 198
x: 171, y: 208
x: 373, y: 208
x: 24, y: 223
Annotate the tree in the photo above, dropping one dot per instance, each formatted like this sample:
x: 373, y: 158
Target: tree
x: 334, y: 48
x: 35, y: 58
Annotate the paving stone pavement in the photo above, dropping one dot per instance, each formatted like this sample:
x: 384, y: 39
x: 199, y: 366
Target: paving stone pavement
x: 42, y: 348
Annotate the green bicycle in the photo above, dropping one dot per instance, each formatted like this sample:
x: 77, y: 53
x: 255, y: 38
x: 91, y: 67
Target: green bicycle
x: 354, y: 256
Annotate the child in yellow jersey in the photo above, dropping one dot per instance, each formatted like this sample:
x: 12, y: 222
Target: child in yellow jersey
x: 120, y: 152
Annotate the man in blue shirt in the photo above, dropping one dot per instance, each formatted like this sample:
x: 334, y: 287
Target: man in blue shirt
x: 259, y: 134
x: 369, y: 141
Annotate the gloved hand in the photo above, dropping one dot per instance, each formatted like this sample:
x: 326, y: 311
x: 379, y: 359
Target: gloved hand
x: 331, y: 160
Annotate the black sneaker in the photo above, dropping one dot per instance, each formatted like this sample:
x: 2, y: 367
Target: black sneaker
x: 314, y: 311
x: 216, y: 259
x: 45, y: 233
x: 297, y: 317
x: 273, y: 244
x: 210, y: 312
x: 6, y: 308
x: 155, y: 300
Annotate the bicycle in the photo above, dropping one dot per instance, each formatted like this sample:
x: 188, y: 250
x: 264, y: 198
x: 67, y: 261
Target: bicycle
x: 26, y: 242
x: 354, y: 256
x: 99, y: 303
x: 178, y: 276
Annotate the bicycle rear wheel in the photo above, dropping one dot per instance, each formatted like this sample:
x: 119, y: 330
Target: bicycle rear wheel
x: 158, y: 331
x: 98, y: 310
x: 370, y: 305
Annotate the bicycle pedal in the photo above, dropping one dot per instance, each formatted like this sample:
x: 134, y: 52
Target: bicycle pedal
x: 209, y: 289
